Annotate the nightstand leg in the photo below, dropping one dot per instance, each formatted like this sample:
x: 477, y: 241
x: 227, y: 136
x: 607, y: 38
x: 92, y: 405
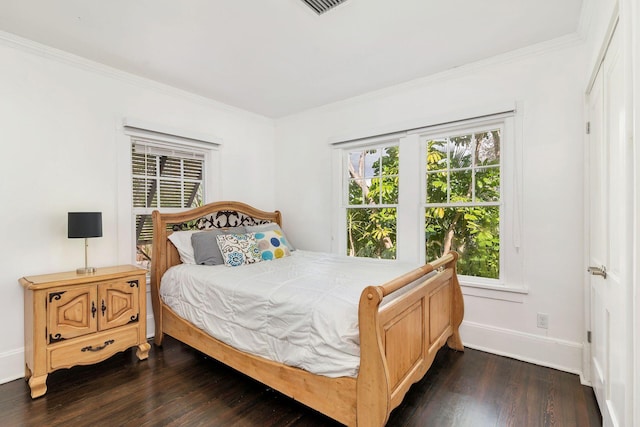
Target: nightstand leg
x: 143, y: 351
x: 38, y: 386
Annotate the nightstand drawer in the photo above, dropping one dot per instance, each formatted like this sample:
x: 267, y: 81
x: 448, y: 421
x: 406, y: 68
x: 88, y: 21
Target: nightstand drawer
x: 85, y: 351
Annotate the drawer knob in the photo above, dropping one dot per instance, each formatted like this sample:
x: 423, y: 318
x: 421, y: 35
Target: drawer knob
x: 90, y: 348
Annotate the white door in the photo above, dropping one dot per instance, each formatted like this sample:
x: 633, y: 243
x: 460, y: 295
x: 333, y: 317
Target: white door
x: 610, y: 240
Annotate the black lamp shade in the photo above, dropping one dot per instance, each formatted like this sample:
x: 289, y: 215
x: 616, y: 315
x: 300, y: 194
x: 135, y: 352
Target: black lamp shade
x: 85, y: 224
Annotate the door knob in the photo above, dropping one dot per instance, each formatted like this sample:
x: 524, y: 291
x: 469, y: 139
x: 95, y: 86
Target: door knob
x: 598, y: 271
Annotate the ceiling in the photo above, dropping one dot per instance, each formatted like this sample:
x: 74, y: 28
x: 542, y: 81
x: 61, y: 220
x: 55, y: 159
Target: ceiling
x: 278, y: 57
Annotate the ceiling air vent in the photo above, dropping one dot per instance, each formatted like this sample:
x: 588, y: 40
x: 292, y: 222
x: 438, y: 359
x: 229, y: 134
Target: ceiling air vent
x: 321, y: 6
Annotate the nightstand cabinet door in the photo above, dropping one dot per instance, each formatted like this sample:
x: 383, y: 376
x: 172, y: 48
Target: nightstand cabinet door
x: 71, y: 313
x: 119, y: 303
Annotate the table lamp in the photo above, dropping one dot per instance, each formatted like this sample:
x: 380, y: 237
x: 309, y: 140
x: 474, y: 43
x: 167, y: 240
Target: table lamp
x: 83, y: 225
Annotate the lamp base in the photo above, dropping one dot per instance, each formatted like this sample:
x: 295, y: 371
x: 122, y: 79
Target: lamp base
x: 86, y: 270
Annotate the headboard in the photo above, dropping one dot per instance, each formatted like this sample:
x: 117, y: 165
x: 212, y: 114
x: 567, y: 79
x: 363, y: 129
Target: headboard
x: 214, y: 215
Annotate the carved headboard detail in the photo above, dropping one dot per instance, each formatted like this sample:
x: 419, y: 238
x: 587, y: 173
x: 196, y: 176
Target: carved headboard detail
x: 219, y: 219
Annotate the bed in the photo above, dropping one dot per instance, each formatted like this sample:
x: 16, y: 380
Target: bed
x: 401, y: 324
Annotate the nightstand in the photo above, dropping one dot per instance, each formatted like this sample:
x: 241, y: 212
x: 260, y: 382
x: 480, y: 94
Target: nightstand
x: 80, y: 319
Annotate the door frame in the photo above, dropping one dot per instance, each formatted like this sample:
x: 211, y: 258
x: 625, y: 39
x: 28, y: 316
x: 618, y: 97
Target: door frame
x: 626, y: 17
x: 632, y: 22
x: 586, y: 353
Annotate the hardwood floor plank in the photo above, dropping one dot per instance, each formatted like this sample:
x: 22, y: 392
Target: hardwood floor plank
x: 179, y: 386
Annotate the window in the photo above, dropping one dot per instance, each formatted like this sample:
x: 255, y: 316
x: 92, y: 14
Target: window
x: 462, y: 199
x: 460, y: 191
x: 372, y: 200
x: 161, y: 168
x: 162, y: 178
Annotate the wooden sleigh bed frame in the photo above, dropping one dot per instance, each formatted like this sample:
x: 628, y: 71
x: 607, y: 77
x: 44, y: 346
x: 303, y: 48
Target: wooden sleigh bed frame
x: 398, y: 342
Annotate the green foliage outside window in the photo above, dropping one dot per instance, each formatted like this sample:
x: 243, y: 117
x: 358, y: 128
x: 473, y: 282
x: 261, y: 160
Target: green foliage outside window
x: 463, y: 194
x: 373, y: 180
x: 462, y: 202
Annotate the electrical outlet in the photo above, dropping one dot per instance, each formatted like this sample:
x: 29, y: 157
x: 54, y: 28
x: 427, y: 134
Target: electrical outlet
x: 543, y: 321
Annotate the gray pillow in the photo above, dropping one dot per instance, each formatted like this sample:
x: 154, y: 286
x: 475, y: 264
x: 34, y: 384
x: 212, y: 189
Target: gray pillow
x: 205, y: 246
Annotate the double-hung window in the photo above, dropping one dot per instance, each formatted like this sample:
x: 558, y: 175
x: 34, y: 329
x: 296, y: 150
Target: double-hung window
x: 460, y: 191
x: 462, y: 195
x: 168, y: 170
x: 371, y: 197
x: 162, y: 178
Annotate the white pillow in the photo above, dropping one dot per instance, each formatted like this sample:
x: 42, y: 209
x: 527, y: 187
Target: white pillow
x: 182, y: 241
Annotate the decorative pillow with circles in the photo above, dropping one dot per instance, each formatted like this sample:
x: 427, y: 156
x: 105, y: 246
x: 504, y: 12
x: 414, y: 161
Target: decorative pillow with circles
x: 272, y: 244
x: 269, y: 227
x: 238, y: 249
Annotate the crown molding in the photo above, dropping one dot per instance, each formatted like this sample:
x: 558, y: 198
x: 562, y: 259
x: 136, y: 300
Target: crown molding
x: 61, y: 56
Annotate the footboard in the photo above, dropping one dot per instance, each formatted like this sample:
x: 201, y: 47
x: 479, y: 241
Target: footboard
x: 399, y: 339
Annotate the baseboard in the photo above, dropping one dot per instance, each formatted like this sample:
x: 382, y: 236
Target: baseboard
x: 584, y: 380
x: 11, y: 365
x: 544, y: 351
x: 553, y: 353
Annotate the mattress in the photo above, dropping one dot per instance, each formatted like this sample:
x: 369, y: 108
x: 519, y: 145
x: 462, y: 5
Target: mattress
x: 300, y: 310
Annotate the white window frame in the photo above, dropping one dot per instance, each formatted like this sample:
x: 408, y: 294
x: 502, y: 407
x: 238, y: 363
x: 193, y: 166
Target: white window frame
x: 162, y: 138
x: 411, y: 200
x: 464, y: 129
x: 341, y: 186
x: 345, y: 150
x: 157, y: 149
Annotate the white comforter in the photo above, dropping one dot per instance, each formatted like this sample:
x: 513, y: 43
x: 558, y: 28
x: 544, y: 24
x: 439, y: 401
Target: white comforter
x: 300, y: 310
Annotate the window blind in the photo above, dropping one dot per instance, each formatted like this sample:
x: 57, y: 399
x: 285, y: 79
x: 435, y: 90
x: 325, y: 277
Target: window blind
x: 163, y: 178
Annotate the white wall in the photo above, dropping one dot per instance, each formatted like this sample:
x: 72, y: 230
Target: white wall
x: 548, y: 83
x: 60, y: 138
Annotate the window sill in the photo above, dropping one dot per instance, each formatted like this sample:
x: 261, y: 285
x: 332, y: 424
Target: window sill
x: 495, y: 292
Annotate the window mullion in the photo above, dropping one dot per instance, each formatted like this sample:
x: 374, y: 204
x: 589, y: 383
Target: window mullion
x: 474, y: 141
x: 461, y: 204
x: 158, y: 183
x: 182, y: 204
x: 448, y: 170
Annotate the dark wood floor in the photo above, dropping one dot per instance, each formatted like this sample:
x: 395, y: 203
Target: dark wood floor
x: 178, y: 386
